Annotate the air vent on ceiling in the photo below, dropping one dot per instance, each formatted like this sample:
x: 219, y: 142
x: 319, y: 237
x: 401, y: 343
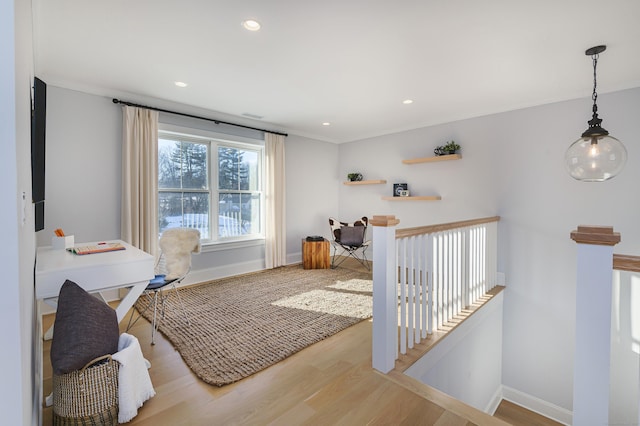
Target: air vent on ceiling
x: 254, y: 116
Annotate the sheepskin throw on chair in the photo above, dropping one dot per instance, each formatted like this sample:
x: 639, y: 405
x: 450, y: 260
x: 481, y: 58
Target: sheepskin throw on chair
x: 177, y: 244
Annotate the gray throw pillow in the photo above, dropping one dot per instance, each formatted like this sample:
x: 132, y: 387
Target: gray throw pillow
x: 84, y: 329
x: 352, y: 235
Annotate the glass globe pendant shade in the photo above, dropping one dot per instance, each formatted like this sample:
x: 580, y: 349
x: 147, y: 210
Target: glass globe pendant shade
x: 595, y: 158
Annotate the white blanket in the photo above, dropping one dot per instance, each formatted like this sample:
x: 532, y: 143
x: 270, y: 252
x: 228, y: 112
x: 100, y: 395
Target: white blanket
x: 134, y: 383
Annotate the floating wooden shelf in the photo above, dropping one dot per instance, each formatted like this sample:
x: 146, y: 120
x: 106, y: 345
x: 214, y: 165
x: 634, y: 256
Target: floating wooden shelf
x: 365, y: 182
x: 414, y: 198
x: 433, y: 159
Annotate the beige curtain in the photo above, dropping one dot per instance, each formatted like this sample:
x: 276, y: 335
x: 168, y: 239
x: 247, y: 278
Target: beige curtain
x: 139, y: 214
x: 275, y: 227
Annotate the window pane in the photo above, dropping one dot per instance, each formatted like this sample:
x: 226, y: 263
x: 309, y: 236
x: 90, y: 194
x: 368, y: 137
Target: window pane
x: 182, y: 164
x: 184, y: 209
x: 168, y: 169
x: 239, y: 214
x: 251, y: 161
x: 238, y: 169
x: 194, y: 165
x: 251, y: 212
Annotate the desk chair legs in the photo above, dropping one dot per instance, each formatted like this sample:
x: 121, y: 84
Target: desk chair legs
x: 154, y: 297
x: 184, y: 311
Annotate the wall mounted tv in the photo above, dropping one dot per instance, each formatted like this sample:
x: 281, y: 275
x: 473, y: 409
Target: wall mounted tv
x: 38, y: 135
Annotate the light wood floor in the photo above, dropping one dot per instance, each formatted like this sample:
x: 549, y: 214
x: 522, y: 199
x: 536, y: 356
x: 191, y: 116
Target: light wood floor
x: 516, y: 415
x: 329, y: 383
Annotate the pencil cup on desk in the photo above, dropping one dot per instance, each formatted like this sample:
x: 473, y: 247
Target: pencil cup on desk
x: 62, y: 243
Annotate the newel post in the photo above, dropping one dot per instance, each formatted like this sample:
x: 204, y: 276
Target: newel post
x: 385, y: 298
x: 591, y: 371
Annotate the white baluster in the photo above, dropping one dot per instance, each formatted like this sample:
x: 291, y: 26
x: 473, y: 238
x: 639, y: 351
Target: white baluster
x: 402, y: 245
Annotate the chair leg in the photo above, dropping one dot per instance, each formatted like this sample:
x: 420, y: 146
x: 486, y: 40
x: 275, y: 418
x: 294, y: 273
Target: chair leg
x: 184, y: 312
x: 154, y: 324
x: 140, y: 314
x: 157, y: 298
x: 362, y: 260
x: 129, y: 324
x: 335, y: 254
x: 350, y: 253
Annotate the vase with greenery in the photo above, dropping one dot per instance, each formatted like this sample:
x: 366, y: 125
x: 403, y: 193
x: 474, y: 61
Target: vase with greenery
x: 354, y: 177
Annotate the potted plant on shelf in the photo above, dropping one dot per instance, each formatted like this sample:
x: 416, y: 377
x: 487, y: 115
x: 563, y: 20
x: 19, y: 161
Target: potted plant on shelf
x: 354, y: 177
x: 450, y: 148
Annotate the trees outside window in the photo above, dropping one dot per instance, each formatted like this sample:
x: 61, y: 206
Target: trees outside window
x: 210, y: 185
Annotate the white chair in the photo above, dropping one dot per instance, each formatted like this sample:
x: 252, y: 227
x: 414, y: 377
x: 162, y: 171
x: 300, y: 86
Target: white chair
x: 174, y: 263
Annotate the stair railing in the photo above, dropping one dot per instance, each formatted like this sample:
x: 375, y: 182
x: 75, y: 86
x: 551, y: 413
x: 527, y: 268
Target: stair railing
x: 424, y: 277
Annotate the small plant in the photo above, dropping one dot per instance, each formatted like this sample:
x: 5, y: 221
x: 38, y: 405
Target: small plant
x: 450, y: 148
x: 354, y: 177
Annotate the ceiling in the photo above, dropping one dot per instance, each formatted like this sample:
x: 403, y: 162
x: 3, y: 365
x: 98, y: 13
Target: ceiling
x: 347, y: 62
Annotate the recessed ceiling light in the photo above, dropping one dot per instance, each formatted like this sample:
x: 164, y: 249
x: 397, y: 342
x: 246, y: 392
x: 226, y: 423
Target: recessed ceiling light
x: 407, y: 101
x: 180, y: 84
x: 251, y: 25
x: 326, y: 123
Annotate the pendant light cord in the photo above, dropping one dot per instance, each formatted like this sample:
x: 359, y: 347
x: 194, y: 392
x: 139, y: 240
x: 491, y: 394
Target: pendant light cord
x: 594, y: 96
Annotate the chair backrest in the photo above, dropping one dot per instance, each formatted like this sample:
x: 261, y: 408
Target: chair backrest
x: 349, y: 234
x: 176, y: 245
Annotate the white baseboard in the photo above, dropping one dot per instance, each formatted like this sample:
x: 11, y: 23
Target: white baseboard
x: 294, y: 258
x: 537, y: 405
x: 495, y: 400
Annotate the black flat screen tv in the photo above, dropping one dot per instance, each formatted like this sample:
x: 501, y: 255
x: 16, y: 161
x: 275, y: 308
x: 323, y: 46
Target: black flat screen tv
x: 38, y: 136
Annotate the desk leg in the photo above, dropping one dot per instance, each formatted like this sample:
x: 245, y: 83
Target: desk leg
x: 39, y: 360
x: 130, y: 299
x: 53, y: 302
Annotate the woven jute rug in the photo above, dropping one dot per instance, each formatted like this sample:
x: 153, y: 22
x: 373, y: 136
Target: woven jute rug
x: 241, y: 325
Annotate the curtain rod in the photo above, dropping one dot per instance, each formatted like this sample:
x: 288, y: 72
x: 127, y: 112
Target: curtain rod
x: 117, y: 101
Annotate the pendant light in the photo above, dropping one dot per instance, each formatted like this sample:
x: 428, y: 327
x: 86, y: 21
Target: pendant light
x: 596, y: 156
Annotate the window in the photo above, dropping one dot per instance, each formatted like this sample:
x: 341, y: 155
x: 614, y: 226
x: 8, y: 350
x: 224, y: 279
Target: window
x: 211, y: 185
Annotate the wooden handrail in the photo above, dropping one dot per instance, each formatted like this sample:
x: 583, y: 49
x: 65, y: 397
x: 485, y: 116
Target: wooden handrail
x: 429, y: 229
x: 625, y: 262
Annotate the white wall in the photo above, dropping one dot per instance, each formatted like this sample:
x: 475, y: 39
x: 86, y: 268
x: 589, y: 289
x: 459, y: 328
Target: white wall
x: 542, y: 206
x: 83, y: 170
x: 467, y: 363
x: 312, y: 196
x: 83, y: 156
x: 17, y: 251
x: 624, y: 405
x: 513, y: 166
x: 381, y: 158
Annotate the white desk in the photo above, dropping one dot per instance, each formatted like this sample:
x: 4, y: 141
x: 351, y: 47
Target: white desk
x: 97, y: 272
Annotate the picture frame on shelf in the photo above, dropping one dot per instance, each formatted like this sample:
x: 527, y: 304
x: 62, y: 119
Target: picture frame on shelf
x: 398, y: 189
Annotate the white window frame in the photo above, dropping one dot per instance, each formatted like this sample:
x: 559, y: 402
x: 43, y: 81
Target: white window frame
x: 214, y: 140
